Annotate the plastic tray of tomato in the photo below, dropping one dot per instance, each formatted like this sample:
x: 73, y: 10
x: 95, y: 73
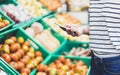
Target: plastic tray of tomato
x: 61, y: 39
x: 19, y: 33
x: 53, y: 58
x: 5, y: 17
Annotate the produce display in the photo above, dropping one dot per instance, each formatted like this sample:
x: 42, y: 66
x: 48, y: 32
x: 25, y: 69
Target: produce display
x: 20, y: 55
x: 44, y: 37
x: 17, y: 13
x: 51, y: 5
x: 63, y: 66
x: 43, y: 46
x: 3, y: 22
x: 34, y: 7
x: 78, y: 52
x: 62, y: 21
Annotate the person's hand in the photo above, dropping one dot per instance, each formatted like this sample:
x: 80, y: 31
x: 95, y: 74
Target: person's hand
x: 75, y: 30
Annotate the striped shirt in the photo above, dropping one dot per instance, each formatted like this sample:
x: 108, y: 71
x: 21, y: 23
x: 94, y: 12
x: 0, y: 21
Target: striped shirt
x: 105, y: 27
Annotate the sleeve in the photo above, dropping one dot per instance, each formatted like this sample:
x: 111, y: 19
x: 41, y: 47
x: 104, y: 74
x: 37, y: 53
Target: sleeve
x: 111, y: 13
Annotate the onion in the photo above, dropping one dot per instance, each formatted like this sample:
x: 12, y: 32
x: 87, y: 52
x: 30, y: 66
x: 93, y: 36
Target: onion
x: 37, y: 27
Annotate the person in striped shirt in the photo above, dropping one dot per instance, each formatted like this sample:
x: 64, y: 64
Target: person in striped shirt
x: 104, y: 26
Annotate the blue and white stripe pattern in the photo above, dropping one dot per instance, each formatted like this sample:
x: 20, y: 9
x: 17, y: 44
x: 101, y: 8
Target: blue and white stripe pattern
x: 105, y: 27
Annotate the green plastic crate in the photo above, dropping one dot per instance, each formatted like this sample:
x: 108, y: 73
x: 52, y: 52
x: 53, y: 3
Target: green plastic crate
x: 4, y: 2
x: 5, y: 68
x: 84, y: 44
x: 67, y: 48
x: 52, y: 58
x: 18, y: 32
x: 6, y: 17
x: 56, y: 35
x: 37, y: 18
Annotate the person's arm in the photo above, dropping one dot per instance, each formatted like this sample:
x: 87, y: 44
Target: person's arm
x: 112, y: 19
x: 76, y: 30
